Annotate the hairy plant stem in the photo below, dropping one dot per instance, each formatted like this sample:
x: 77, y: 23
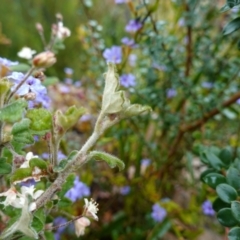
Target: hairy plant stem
x: 103, y: 123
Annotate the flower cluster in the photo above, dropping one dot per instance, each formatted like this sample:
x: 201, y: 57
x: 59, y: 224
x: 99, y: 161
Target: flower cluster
x: 113, y: 54
x: 17, y: 199
x: 78, y: 191
x: 31, y: 86
x: 207, y: 208
x: 158, y: 213
x: 128, y: 80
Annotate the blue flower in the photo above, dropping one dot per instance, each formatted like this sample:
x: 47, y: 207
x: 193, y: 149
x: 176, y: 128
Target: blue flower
x: 133, y: 26
x: 128, y: 80
x: 7, y: 63
x: 128, y: 41
x: 158, y: 213
x: 59, y: 221
x: 207, y: 208
x: 120, y: 1
x: 207, y: 85
x: 132, y: 59
x: 60, y: 156
x: 171, y: 93
x: 68, y: 71
x: 31, y: 85
x: 145, y: 162
x: 113, y: 54
x: 125, y: 190
x: 79, y: 190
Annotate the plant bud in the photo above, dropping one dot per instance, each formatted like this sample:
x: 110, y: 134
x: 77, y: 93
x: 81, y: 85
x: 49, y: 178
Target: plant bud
x: 30, y: 96
x: 40, y: 75
x: 44, y: 60
x: 39, y: 27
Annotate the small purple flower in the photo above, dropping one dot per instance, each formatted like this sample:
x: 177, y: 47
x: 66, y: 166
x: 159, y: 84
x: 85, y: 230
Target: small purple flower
x: 145, y: 162
x: 128, y: 80
x: 238, y: 101
x: 78, y: 84
x: 113, y: 54
x: 207, y: 85
x: 60, y: 156
x: 132, y: 59
x: 7, y: 63
x: 181, y: 22
x: 207, y: 208
x: 133, y: 26
x: 158, y: 213
x: 120, y: 1
x: 64, y: 89
x: 125, y: 190
x: 128, y: 41
x: 68, y: 71
x: 171, y: 93
x: 79, y: 190
x: 68, y: 81
x: 59, y: 221
x: 28, y: 183
x: 33, y: 85
x: 85, y: 118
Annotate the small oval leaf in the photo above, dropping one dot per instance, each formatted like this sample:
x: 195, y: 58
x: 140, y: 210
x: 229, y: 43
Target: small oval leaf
x: 233, y: 178
x: 226, y: 192
x: 218, y: 204
x: 235, y: 206
x: 214, y: 179
x: 226, y: 218
x: 234, y: 234
x: 231, y: 27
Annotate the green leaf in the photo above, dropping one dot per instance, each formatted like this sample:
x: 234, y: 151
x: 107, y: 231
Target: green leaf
x: 136, y: 109
x: 13, y: 112
x: 111, y: 160
x: 234, y: 234
x: 206, y: 172
x: 5, y: 168
x: 218, y: 204
x: 37, y: 224
x: 214, y: 179
x: 41, y: 120
x: 235, y: 206
x: 37, y: 162
x: 226, y: 218
x: 226, y: 192
x: 21, y: 132
x: 160, y: 230
x: 233, y: 178
x: 214, y: 161
x: 5, y: 86
x: 67, y: 185
x: 236, y: 163
x: 231, y: 27
x: 233, y: 3
x: 22, y: 67
x: 20, y: 174
x: 69, y: 118
x: 226, y: 156
x: 225, y: 8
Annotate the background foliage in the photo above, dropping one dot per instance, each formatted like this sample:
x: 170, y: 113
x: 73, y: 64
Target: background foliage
x: 186, y: 70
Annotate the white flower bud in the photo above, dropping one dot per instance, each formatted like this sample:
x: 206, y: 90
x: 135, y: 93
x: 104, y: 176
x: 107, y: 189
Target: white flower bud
x: 44, y: 59
x: 80, y: 225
